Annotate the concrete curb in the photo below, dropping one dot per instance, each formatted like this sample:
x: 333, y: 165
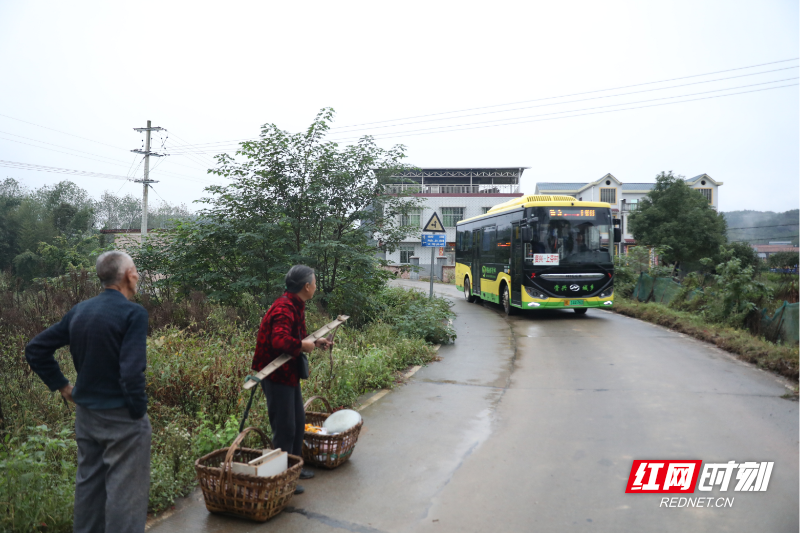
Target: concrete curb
x: 383, y: 392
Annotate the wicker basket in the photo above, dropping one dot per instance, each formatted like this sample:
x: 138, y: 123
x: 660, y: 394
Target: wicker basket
x: 327, y: 451
x: 256, y: 498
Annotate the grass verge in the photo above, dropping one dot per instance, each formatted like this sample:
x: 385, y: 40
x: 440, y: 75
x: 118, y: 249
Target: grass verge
x: 778, y: 358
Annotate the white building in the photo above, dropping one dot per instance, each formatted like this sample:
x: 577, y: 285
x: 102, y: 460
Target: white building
x: 624, y: 197
x: 454, y: 194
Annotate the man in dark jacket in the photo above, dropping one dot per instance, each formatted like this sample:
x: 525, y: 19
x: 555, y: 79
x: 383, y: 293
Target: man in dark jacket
x: 107, y: 339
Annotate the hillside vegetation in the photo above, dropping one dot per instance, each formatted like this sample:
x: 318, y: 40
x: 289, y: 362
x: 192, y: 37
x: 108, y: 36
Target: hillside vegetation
x: 782, y: 226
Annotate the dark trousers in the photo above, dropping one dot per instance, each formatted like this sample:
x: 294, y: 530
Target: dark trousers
x: 286, y: 416
x: 113, y: 481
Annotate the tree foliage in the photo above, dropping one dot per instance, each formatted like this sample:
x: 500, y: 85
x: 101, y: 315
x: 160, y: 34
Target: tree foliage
x: 675, y: 216
x: 291, y: 198
x: 50, y: 230
x: 783, y: 260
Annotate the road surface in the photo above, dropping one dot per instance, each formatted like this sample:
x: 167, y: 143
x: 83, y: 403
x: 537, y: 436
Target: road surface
x: 531, y: 423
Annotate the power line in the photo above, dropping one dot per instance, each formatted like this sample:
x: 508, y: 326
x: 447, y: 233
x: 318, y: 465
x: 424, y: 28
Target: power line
x: 63, y: 132
x: 111, y: 161
x: 767, y: 238
x: 41, y: 168
x: 458, y: 127
x: 570, y: 101
x: 210, y: 145
x: 775, y: 226
x: 60, y: 152
x: 579, y: 94
x: 57, y: 145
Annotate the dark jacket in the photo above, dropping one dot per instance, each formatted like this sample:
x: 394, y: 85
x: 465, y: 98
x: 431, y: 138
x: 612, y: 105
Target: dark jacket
x: 107, y: 337
x: 281, y: 332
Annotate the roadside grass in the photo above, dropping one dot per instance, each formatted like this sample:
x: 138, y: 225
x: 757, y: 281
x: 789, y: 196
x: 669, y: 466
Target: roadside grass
x: 194, y: 376
x: 778, y: 358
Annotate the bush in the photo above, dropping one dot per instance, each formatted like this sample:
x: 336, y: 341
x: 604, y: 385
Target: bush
x: 415, y: 315
x: 38, y: 481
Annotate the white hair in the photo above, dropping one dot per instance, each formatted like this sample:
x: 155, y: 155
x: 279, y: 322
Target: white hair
x: 111, y: 267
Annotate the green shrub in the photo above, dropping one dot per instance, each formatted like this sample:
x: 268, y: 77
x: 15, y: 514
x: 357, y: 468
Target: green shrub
x: 38, y: 481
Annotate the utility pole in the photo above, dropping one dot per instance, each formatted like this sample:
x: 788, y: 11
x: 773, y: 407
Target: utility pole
x: 146, y: 181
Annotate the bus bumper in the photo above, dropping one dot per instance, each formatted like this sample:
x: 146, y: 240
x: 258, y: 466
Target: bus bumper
x: 559, y: 303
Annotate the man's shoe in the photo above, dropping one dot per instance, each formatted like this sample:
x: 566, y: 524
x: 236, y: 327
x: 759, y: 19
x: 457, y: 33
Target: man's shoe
x: 306, y: 474
x: 299, y: 489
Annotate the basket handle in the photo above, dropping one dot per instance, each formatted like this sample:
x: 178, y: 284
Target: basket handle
x: 327, y: 405
x: 226, y: 466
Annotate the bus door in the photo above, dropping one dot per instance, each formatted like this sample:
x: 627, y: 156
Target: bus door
x: 516, y: 264
x: 476, y: 261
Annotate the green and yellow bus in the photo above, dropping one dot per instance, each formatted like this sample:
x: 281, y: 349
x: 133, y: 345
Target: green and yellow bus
x: 539, y: 252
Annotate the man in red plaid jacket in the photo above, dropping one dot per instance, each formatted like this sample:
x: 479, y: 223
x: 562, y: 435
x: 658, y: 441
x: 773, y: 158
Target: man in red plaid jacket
x: 282, y: 331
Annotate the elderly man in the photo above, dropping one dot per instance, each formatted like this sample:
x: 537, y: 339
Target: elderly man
x: 107, y: 339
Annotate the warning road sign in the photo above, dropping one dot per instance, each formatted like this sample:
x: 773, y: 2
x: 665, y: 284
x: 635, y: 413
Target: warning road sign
x: 434, y: 225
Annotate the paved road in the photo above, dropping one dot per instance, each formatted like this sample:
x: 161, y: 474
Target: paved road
x: 531, y: 424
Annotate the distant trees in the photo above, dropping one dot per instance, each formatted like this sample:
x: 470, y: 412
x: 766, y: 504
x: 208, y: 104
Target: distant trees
x: 783, y: 260
x: 47, y: 231
x: 675, y: 217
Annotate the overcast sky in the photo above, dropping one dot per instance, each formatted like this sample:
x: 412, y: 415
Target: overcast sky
x: 212, y: 71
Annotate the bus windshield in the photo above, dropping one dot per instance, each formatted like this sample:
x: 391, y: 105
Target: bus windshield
x: 569, y: 235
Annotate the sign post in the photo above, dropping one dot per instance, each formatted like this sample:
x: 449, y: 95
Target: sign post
x: 437, y: 240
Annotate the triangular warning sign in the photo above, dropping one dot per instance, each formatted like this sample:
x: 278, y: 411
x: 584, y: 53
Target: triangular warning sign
x: 434, y: 225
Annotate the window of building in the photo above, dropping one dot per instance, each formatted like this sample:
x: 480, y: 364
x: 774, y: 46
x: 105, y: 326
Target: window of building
x: 707, y: 193
x: 608, y: 196
x: 406, y: 253
x: 411, y: 219
x: 451, y: 215
x: 485, y: 210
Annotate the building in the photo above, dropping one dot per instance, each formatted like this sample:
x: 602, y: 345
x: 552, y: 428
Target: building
x: 454, y: 194
x: 766, y: 250
x: 624, y: 197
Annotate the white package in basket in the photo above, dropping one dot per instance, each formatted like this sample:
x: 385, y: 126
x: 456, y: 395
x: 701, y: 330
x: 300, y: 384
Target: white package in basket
x: 341, y: 421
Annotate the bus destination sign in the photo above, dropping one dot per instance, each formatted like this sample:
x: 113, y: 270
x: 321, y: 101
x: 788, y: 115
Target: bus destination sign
x: 545, y: 259
x: 572, y: 212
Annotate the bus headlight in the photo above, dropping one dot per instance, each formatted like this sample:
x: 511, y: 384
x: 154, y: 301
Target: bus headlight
x: 535, y: 293
x: 607, y: 293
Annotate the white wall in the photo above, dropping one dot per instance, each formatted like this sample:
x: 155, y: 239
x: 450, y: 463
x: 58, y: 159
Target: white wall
x: 472, y: 207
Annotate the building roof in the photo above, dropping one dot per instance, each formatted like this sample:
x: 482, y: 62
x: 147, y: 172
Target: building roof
x: 637, y: 186
x: 552, y: 186
x: 773, y: 248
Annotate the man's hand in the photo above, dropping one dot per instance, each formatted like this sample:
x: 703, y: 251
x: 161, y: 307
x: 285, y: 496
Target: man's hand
x: 66, y: 392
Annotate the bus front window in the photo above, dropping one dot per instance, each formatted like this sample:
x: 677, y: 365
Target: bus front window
x: 574, y: 235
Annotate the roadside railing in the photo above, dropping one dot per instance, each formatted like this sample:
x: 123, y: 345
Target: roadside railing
x: 416, y: 188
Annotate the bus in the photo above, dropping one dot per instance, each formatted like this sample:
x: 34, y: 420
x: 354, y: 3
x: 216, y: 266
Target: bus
x: 539, y: 252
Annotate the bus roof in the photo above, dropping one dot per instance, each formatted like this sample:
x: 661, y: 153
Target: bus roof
x: 536, y: 200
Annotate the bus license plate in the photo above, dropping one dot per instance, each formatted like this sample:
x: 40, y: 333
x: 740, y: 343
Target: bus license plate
x: 576, y: 302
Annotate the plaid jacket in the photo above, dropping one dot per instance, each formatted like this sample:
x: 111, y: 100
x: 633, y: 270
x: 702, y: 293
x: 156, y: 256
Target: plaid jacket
x: 282, y: 329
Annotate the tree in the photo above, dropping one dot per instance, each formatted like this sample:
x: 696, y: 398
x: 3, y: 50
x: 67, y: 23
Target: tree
x: 675, y: 216
x: 783, y: 260
x: 292, y: 198
x: 745, y: 253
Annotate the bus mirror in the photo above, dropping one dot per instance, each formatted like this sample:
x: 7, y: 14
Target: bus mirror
x: 533, y: 220
x: 617, y: 235
x: 527, y: 234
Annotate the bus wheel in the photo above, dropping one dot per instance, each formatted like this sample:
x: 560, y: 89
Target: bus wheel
x: 506, y: 299
x: 468, y: 296
x: 581, y: 310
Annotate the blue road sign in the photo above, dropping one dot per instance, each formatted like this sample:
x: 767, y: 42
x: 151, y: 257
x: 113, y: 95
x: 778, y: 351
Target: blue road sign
x: 434, y: 241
